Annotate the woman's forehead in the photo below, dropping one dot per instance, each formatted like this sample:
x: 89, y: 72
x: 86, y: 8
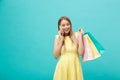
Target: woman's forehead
x: 64, y: 21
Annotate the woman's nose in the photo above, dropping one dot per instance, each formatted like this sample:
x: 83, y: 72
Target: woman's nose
x: 66, y: 26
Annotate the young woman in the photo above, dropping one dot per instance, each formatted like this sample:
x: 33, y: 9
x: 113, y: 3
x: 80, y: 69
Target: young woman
x: 68, y: 46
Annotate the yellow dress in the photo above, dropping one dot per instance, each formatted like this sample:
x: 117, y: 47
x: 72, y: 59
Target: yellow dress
x: 68, y: 66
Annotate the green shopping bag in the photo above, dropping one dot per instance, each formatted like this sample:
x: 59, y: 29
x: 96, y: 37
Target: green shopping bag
x: 96, y: 43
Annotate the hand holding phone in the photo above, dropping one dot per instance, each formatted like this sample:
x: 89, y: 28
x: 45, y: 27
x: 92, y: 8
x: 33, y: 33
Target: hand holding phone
x: 61, y: 34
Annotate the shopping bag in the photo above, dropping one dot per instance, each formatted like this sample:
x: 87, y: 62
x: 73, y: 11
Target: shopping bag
x: 99, y: 47
x: 92, y: 48
x: 91, y: 52
x: 87, y: 50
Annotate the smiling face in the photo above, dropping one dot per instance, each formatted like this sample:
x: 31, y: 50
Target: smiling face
x: 65, y: 25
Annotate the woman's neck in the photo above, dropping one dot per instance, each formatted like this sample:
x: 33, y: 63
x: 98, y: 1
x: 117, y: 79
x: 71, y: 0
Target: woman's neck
x: 67, y: 34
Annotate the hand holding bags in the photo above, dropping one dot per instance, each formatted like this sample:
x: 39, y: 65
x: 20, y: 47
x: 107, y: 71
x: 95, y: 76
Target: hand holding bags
x: 92, y: 48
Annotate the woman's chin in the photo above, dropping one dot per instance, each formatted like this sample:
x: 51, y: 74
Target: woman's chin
x: 67, y: 32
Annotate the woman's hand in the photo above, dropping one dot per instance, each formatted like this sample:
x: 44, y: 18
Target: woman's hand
x: 61, y: 35
x: 80, y: 42
x: 58, y: 44
x: 80, y: 32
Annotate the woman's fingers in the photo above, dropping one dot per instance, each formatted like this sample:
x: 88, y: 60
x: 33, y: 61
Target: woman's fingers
x: 61, y: 31
x: 81, y: 31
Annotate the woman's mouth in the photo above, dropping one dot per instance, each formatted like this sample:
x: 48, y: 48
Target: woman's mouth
x: 67, y: 30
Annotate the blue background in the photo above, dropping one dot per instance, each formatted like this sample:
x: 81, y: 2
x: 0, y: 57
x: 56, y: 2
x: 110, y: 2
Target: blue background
x: 28, y: 29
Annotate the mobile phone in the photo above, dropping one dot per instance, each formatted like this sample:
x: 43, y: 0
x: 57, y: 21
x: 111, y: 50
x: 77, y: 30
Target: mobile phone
x: 63, y: 34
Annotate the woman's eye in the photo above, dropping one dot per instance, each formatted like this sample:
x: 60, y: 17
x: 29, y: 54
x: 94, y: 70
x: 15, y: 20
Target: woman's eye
x: 67, y: 24
x: 63, y: 25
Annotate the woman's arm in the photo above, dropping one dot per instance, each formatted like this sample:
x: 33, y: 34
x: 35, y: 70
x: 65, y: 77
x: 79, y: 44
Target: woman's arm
x: 80, y: 43
x: 57, y: 47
